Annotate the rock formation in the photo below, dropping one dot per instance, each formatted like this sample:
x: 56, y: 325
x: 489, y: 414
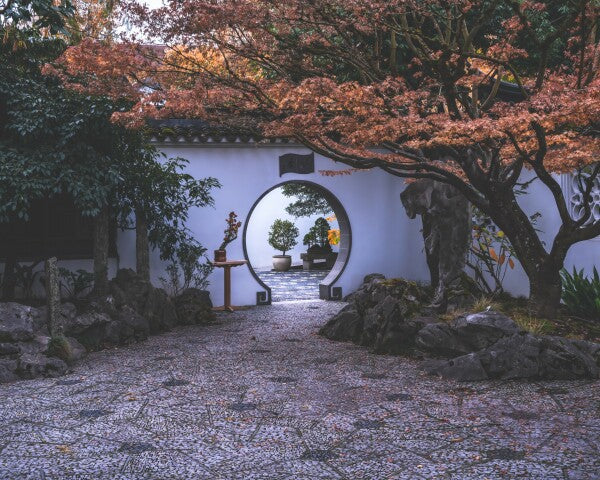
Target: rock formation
x: 446, y: 218
x: 384, y: 315
x: 43, y: 342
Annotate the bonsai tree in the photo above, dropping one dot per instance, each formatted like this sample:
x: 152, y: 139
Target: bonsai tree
x: 231, y: 232
x: 282, y: 235
x: 318, y: 235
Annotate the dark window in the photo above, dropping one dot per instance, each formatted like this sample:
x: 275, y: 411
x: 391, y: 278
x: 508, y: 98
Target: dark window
x: 55, y: 228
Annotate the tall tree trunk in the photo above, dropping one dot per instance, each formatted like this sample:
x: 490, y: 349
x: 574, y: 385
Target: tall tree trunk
x: 101, y: 240
x: 142, y: 246
x: 542, y: 268
x: 545, y: 290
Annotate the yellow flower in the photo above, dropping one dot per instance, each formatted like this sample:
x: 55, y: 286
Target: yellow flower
x: 333, y: 236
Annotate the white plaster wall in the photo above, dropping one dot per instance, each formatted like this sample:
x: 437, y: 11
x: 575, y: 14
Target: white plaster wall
x: 384, y: 240
x: 271, y: 207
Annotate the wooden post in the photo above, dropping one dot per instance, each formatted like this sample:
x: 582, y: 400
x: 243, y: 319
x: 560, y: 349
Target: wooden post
x: 227, y: 287
x: 227, y: 266
x: 52, y: 297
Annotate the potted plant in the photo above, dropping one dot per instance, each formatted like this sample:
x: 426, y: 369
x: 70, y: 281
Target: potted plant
x: 319, y: 253
x: 282, y: 237
x: 317, y: 238
x: 231, y: 233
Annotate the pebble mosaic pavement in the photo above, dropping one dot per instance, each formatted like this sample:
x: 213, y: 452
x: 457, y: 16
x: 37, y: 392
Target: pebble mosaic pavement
x: 293, y: 284
x: 260, y: 396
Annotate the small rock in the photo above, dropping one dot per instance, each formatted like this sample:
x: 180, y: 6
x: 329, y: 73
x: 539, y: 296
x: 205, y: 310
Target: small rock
x: 9, y: 349
x: 78, y: 351
x: 7, y: 375
x: 33, y: 366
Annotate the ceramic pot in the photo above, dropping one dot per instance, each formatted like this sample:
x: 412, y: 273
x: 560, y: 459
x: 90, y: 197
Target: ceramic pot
x: 220, y: 256
x: 282, y: 263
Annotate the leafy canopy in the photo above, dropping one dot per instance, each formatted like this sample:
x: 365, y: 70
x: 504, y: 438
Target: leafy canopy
x: 282, y: 235
x: 307, y: 202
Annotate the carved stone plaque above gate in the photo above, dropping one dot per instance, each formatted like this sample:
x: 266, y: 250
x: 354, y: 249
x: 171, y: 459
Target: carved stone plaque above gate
x: 295, y: 163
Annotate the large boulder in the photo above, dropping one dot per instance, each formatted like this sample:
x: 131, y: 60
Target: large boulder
x: 466, y: 334
x: 33, y: 366
x: 160, y: 311
x: 67, y: 349
x: 66, y: 314
x: 90, y: 329
x: 522, y: 355
x: 16, y: 322
x: 39, y: 344
x: 128, y: 288
x: 562, y: 358
x: 194, y: 307
x: 346, y: 326
x: 380, y: 315
x: 397, y: 337
x: 133, y: 327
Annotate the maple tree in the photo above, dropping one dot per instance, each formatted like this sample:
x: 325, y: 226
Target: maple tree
x: 478, y: 94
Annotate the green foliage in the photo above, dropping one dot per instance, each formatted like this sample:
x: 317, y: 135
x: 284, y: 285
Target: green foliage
x: 59, y: 347
x: 55, y: 141
x: 75, y: 283
x: 282, y: 235
x: 164, y: 193
x: 26, y: 276
x: 22, y: 21
x: 190, y: 270
x: 308, y: 201
x: 318, y: 234
x: 581, y: 295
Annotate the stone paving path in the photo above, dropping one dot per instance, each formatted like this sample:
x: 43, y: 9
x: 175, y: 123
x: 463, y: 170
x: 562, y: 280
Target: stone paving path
x: 293, y: 284
x: 261, y: 396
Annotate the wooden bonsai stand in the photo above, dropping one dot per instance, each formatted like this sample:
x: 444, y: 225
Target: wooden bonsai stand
x: 227, y: 266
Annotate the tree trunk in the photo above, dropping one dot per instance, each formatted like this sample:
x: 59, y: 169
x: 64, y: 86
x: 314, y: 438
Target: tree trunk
x: 542, y: 268
x: 142, y: 246
x: 545, y: 290
x: 101, y: 240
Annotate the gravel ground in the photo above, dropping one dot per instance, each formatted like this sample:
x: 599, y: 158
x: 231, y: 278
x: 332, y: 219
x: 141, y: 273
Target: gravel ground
x: 261, y: 396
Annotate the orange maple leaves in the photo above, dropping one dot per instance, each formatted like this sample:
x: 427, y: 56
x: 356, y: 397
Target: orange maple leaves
x: 277, y: 62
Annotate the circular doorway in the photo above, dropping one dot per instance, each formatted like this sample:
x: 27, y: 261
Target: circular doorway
x: 306, y: 271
